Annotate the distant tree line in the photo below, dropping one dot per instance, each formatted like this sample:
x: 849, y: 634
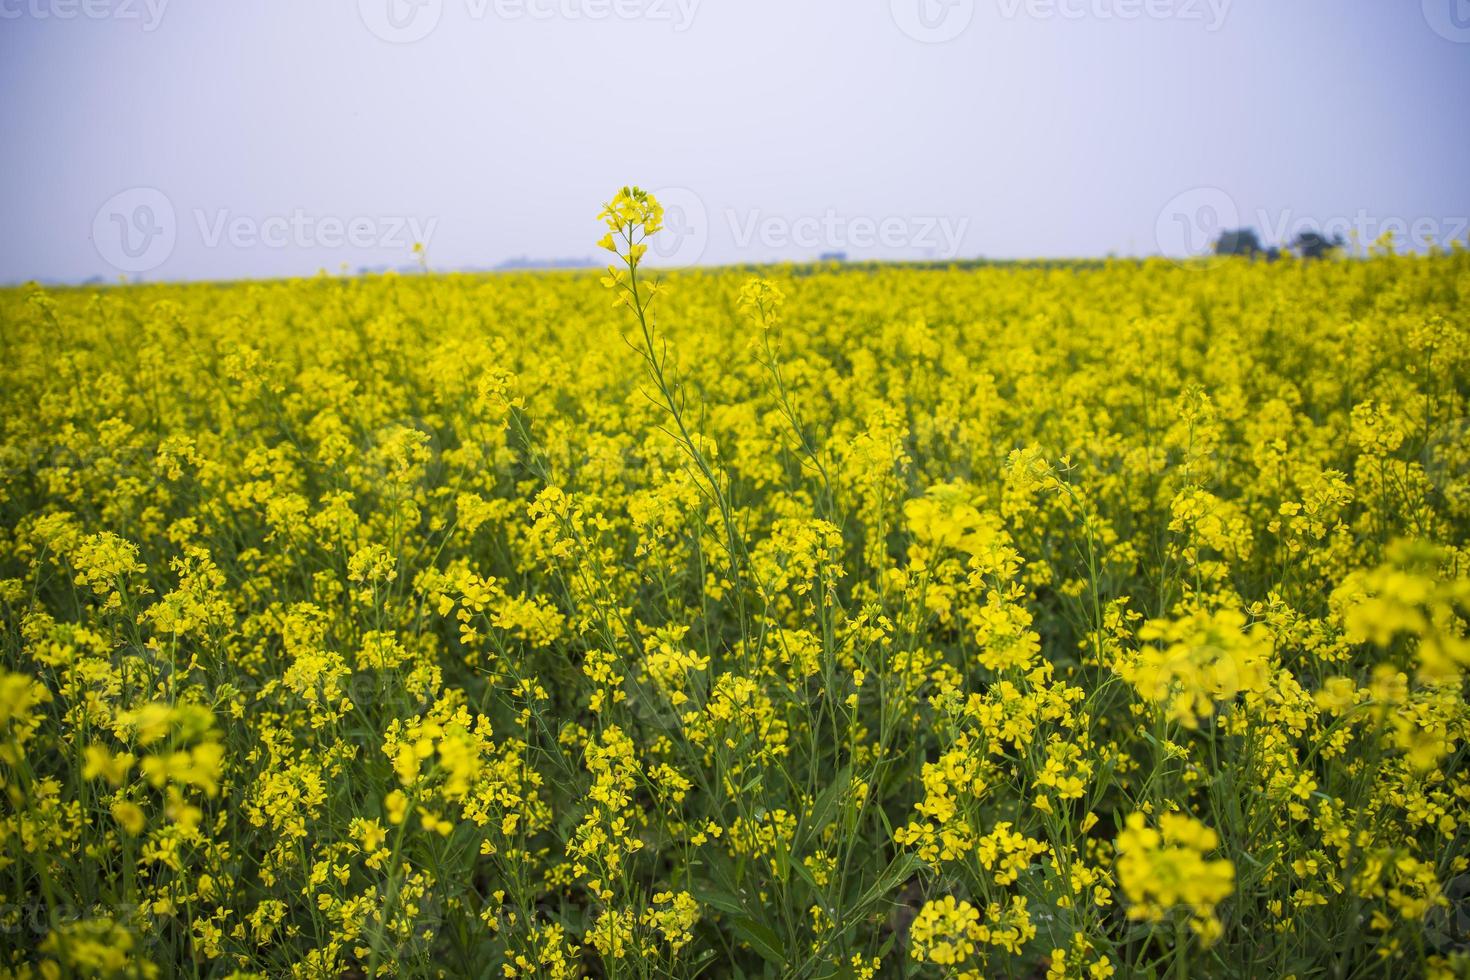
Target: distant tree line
x: 1307, y: 245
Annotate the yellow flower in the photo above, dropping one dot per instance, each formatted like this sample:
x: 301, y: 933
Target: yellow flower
x: 1203, y: 659
x: 100, y: 762
x: 395, y: 805
x: 129, y: 817
x: 1166, y: 868
x: 945, y: 932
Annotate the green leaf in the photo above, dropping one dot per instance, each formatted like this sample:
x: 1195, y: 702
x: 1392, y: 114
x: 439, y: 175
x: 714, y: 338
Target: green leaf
x: 897, y: 872
x: 805, y: 875
x: 715, y: 897
x: 761, y: 939
x: 826, y: 805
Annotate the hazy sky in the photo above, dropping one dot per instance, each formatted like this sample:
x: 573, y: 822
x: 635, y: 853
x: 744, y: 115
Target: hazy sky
x: 209, y: 138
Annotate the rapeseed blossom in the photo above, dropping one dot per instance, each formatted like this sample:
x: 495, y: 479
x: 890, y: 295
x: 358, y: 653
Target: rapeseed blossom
x: 1163, y: 868
x: 1071, y: 620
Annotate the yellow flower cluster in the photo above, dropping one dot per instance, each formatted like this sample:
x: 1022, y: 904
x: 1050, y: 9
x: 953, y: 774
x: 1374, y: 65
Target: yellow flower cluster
x: 946, y: 932
x: 1064, y: 620
x: 1205, y: 658
x: 1163, y: 868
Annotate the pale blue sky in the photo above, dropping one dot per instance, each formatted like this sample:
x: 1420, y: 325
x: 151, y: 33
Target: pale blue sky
x: 182, y: 139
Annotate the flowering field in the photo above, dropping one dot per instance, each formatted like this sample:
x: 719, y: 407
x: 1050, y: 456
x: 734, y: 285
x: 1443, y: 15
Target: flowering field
x: 1010, y: 621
